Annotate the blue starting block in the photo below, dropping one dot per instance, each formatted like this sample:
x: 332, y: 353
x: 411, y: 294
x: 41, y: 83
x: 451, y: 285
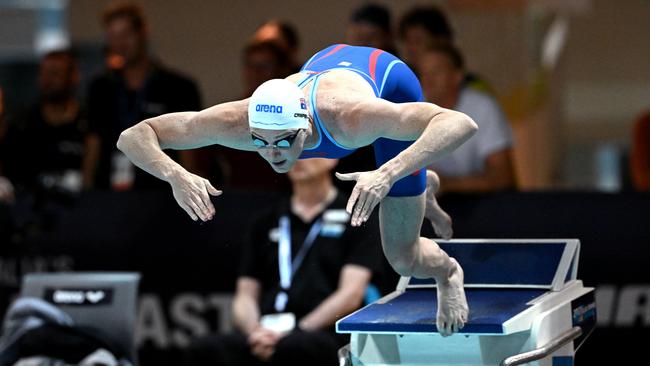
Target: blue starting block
x: 526, y: 306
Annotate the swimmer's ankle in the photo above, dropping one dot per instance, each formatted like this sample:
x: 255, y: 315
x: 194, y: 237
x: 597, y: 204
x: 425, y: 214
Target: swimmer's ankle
x: 452, y: 269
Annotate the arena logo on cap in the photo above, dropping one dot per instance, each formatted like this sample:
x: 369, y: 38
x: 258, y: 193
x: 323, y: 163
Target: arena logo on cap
x: 268, y: 108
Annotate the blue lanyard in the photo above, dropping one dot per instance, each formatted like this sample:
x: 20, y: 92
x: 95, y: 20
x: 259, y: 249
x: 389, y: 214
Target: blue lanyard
x: 286, y: 266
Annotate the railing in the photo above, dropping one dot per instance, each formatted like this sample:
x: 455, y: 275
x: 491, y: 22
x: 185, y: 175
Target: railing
x: 545, y: 350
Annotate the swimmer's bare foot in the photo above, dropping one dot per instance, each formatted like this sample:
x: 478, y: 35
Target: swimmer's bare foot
x: 440, y: 220
x: 452, y: 304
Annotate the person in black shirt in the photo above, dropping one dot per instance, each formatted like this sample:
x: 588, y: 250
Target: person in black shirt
x: 44, y: 150
x: 285, y: 314
x: 134, y: 87
x: 6, y: 188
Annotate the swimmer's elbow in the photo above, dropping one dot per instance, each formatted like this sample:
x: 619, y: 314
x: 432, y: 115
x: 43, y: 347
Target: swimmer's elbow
x: 130, y: 136
x: 467, y: 124
x: 458, y: 122
x: 123, y: 140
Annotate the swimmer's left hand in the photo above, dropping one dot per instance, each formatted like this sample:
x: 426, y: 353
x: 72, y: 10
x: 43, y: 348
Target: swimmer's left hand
x: 370, y: 189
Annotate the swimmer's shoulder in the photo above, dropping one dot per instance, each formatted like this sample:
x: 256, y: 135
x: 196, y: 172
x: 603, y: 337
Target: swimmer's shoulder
x: 345, y: 83
x: 337, y: 79
x: 338, y: 91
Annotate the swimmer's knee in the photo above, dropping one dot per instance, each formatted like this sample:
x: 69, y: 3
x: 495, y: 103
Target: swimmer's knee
x: 403, y: 262
x: 402, y: 267
x: 424, y: 259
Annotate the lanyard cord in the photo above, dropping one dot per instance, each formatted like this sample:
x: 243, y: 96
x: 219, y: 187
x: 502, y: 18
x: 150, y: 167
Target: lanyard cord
x: 286, y: 266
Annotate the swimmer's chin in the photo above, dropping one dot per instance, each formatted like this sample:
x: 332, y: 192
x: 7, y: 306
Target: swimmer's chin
x: 281, y: 167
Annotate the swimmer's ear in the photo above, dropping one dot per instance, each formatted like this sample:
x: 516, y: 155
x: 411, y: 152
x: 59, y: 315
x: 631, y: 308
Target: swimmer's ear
x: 304, y: 135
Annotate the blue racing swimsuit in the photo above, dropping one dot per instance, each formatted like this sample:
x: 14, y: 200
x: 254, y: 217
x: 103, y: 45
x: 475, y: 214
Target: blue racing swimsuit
x: 391, y: 80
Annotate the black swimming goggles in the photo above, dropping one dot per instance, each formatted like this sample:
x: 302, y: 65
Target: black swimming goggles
x: 283, y: 143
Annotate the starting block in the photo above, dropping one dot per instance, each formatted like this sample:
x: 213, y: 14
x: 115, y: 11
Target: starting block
x: 526, y: 306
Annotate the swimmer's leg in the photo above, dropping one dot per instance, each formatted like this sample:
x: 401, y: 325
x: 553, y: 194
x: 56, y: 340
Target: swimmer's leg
x: 440, y: 220
x: 412, y: 255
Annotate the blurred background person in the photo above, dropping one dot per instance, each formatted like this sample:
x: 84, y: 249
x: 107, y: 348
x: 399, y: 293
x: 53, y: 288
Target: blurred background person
x: 426, y: 26
x: 262, y: 61
x: 332, y: 265
x: 640, y: 153
x: 484, y: 162
x: 6, y: 188
x: 44, y: 150
x: 420, y: 28
x: 370, y: 25
x: 3, y: 127
x: 134, y: 86
x: 283, y: 34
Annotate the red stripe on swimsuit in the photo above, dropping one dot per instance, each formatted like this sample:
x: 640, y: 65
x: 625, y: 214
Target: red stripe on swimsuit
x: 330, y: 53
x: 372, y: 63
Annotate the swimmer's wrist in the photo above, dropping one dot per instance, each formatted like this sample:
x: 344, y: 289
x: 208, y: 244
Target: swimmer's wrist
x: 389, y: 172
x: 172, y: 174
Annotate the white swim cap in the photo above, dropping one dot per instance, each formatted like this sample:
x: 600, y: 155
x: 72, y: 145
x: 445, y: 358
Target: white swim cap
x: 278, y: 104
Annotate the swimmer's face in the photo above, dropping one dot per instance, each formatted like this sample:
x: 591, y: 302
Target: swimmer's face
x: 281, y: 148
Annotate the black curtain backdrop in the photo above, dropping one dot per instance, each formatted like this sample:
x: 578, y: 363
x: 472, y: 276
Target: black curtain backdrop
x: 189, y: 269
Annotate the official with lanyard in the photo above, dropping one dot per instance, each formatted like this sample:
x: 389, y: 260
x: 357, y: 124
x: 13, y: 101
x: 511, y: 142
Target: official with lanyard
x: 288, y: 266
x: 303, y: 266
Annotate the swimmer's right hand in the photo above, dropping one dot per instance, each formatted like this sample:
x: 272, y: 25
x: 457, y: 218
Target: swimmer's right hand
x: 193, y: 195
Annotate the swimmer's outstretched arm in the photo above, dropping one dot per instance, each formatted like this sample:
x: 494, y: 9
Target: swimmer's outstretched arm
x: 224, y: 124
x: 435, y: 130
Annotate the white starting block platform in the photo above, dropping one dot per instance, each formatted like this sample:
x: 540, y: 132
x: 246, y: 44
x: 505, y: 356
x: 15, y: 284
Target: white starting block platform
x: 526, y: 306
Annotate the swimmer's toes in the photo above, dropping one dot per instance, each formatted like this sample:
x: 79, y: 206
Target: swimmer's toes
x: 441, y: 323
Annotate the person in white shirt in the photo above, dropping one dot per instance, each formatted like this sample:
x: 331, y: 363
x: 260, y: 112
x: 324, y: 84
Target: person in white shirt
x: 484, y: 162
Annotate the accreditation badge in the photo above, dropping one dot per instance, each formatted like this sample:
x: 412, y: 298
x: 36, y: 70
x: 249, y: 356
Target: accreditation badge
x: 281, y: 322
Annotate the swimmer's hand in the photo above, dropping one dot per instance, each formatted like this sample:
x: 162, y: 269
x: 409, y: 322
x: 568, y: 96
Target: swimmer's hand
x: 193, y: 195
x: 370, y: 189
